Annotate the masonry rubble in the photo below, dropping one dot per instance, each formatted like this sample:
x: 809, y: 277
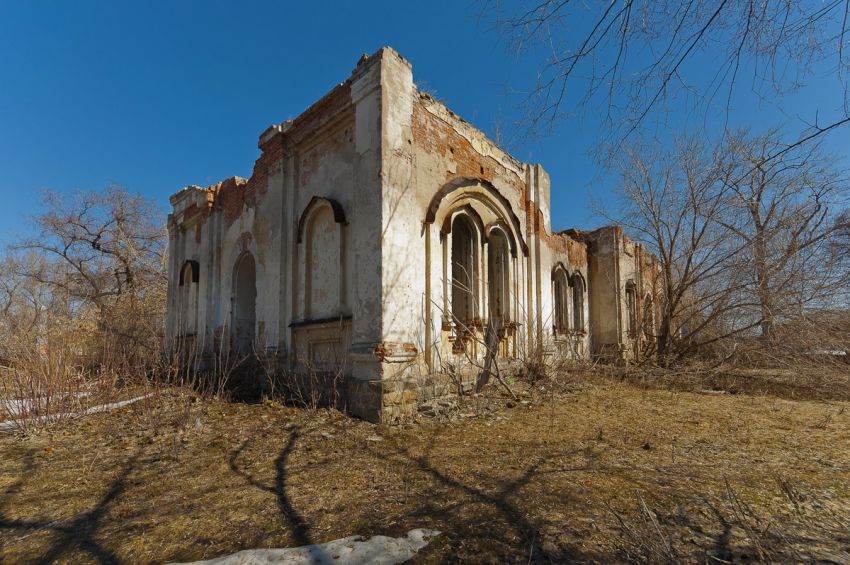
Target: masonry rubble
x: 386, y: 247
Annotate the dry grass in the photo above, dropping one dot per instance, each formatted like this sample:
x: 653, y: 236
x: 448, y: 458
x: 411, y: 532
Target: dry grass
x: 813, y: 382
x: 602, y: 471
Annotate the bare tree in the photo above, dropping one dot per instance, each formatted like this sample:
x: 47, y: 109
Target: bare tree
x: 111, y: 242
x: 784, y: 211
x: 103, y: 252
x: 632, y: 56
x: 672, y: 203
x: 743, y: 240
x: 25, y: 304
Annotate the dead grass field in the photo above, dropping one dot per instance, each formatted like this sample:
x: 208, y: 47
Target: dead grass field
x: 601, y: 471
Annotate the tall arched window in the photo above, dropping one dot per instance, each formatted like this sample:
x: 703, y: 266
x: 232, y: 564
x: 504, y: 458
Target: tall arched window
x: 464, y: 271
x: 560, y: 288
x: 577, y: 284
x: 631, y: 308
x: 320, y: 273
x: 188, y: 298
x: 498, y: 261
x: 244, y: 303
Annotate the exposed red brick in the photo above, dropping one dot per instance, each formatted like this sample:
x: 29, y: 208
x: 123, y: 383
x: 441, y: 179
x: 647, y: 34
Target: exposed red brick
x: 320, y: 113
x: 230, y: 196
x: 381, y: 351
x: 388, y: 349
x: 562, y: 244
x: 435, y: 135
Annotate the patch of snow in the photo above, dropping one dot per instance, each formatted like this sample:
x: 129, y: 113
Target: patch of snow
x: 830, y: 352
x: 9, y: 424
x: 17, y: 406
x: 353, y: 550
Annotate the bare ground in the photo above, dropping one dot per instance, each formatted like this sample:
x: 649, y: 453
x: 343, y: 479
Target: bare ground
x: 599, y: 471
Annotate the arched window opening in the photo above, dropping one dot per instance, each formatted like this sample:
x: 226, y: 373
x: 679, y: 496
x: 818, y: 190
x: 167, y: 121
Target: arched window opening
x: 631, y: 308
x: 578, y: 302
x: 464, y: 272
x: 498, y: 262
x: 244, y: 304
x: 560, y: 288
x: 188, y: 299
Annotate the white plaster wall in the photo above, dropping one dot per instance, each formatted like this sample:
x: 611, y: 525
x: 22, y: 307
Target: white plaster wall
x: 402, y: 243
x: 255, y: 230
x: 364, y: 242
x: 182, y: 247
x: 268, y: 232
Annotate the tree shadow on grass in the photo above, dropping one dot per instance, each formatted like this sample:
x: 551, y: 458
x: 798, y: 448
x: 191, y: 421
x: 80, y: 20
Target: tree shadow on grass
x: 29, y: 467
x: 293, y: 519
x: 480, y: 517
x: 79, y: 532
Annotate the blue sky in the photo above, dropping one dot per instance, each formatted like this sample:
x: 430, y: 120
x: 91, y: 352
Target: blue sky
x: 158, y: 95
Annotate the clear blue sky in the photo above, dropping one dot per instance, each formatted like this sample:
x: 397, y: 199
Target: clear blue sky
x: 158, y: 95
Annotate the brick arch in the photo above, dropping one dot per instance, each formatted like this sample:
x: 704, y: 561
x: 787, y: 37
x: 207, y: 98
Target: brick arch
x: 500, y: 225
x: 561, y: 298
x: 474, y: 182
x: 336, y: 207
x: 579, y: 287
x: 195, y: 270
x: 578, y: 278
x: 469, y: 211
x: 559, y: 266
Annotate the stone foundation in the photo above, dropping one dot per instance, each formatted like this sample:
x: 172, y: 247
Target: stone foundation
x: 402, y: 397
x: 379, y: 401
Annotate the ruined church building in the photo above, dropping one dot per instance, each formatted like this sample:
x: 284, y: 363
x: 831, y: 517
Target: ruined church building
x: 385, y: 241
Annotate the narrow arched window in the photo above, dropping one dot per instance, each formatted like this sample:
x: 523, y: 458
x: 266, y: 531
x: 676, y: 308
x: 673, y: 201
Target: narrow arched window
x: 631, y: 308
x: 244, y: 303
x: 560, y: 289
x: 464, y: 271
x: 187, y: 310
x: 498, y: 261
x: 578, y: 302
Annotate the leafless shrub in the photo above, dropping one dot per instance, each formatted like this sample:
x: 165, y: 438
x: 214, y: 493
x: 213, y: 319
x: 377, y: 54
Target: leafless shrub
x: 745, y: 517
x: 40, y: 388
x: 478, y: 345
x: 308, y: 385
x: 82, y: 305
x: 505, y: 358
